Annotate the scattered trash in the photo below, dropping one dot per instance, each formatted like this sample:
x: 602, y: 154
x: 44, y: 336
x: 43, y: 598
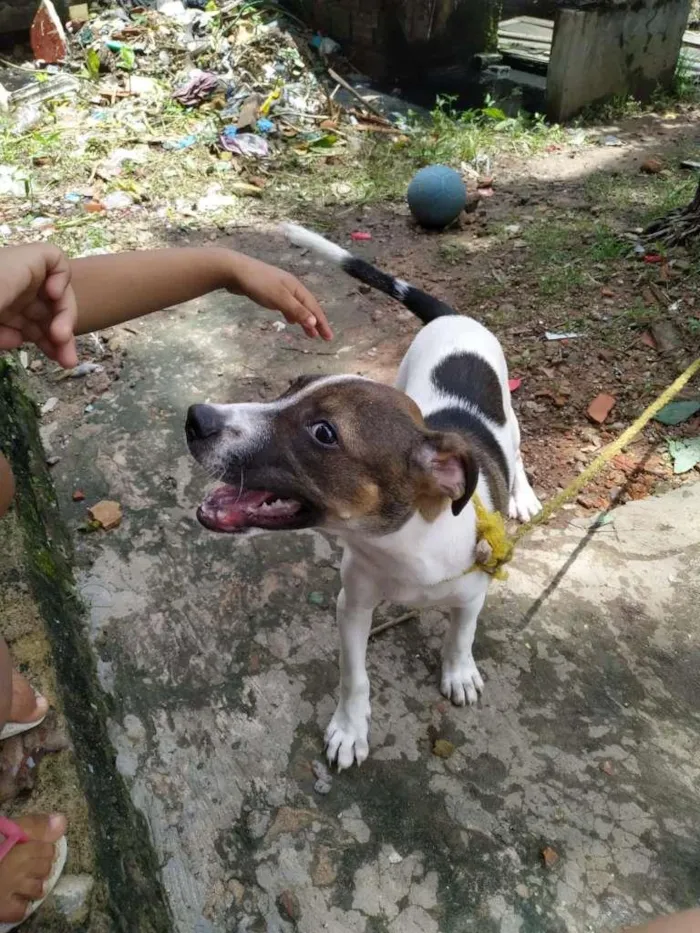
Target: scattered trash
x: 600, y: 521
x: 245, y: 144
x: 651, y: 167
x: 107, y: 514
x: 25, y: 118
x: 443, y: 749
x: 114, y: 164
x: 264, y: 125
x: 693, y: 166
x: 177, y: 144
x: 677, y: 412
x: 514, y: 384
x: 685, y: 454
x: 117, y: 201
x: 214, y: 201
x: 651, y: 258
x: 316, y: 599
x: 199, y: 88
x: 84, y: 369
x: 78, y: 495
x: 324, y: 46
x: 611, y: 141
x: 49, y: 405
x: 551, y: 335
x: 13, y: 182
x: 359, y: 236
x: 550, y: 856
x: 600, y: 407
x: 79, y: 13
x: 607, y: 768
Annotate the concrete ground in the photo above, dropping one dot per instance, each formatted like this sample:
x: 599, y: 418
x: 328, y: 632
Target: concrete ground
x: 570, y: 801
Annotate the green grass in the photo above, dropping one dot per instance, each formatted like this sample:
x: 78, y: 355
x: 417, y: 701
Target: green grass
x: 683, y: 91
x: 637, y: 199
x: 382, y: 168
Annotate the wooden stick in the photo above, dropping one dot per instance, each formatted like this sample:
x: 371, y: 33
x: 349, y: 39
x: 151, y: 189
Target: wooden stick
x: 392, y: 622
x: 351, y: 90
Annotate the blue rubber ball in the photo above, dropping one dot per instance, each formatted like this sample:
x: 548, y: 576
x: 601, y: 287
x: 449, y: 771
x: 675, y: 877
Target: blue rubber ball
x: 436, y: 196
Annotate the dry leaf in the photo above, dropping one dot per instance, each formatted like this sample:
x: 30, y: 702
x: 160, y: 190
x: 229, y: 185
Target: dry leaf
x: 550, y: 857
x: 443, y: 749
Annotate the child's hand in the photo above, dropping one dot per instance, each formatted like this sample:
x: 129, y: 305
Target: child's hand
x: 37, y: 302
x: 279, y: 291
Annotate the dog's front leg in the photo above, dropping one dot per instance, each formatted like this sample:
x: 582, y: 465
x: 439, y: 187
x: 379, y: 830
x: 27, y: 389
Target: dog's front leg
x: 348, y: 732
x: 461, y: 680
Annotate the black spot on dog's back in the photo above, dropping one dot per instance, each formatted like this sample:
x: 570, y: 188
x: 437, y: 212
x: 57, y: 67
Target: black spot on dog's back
x: 469, y: 377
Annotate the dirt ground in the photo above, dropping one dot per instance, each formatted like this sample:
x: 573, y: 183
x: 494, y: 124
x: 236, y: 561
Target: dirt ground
x: 547, y: 252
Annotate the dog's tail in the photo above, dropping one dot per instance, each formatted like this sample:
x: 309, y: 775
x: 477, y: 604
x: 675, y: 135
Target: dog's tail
x: 424, y: 306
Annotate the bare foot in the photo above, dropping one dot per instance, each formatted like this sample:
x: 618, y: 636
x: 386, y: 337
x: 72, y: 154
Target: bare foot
x: 26, y: 706
x: 27, y: 866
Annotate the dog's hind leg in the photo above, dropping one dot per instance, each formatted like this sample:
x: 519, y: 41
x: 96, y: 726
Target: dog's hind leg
x: 461, y: 680
x: 523, y: 503
x: 347, y: 736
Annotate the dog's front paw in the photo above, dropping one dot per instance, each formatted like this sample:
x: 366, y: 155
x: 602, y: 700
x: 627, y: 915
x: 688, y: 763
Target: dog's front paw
x: 347, y: 734
x: 524, y: 504
x: 461, y: 682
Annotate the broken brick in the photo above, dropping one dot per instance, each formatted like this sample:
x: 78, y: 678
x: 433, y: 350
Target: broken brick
x: 600, y: 407
x: 47, y: 36
x: 107, y: 514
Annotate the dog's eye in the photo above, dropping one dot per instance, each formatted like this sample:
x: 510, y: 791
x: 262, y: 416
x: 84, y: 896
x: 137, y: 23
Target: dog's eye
x: 324, y: 433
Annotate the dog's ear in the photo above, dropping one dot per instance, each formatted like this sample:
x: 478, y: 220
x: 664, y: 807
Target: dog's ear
x: 447, y: 460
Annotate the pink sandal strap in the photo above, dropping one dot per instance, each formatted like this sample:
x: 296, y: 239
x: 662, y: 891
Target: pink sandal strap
x: 12, y: 833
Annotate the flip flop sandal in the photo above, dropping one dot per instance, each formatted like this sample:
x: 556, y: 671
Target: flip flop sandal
x: 12, y: 729
x: 12, y: 835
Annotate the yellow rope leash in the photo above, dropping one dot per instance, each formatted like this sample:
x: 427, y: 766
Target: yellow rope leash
x: 490, y: 526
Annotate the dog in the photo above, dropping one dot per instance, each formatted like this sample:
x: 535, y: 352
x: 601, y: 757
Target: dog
x: 391, y: 471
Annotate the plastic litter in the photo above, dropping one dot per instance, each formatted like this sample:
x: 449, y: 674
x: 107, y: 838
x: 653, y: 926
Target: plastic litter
x: 551, y: 335
x: 199, y: 88
x: 245, y: 144
x: 117, y: 201
x: 177, y: 144
x: 13, y: 182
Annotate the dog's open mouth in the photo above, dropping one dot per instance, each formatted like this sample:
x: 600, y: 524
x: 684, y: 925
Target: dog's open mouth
x: 231, y: 509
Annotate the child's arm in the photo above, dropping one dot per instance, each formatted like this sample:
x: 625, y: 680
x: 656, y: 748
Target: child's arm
x: 46, y: 299
x: 115, y: 288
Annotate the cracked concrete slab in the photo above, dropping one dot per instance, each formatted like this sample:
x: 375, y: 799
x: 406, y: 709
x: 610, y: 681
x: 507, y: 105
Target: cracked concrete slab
x: 219, y: 655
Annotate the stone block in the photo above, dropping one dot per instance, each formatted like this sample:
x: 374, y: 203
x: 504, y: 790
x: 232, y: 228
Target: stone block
x: 622, y: 49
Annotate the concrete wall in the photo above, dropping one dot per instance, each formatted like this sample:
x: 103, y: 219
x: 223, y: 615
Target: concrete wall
x: 604, y: 53
x: 406, y: 39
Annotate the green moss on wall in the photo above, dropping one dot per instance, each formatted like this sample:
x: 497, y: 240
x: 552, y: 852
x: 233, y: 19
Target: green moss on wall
x: 125, y: 858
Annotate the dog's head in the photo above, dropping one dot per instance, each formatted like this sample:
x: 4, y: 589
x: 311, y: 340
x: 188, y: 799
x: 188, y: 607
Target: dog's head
x: 339, y: 452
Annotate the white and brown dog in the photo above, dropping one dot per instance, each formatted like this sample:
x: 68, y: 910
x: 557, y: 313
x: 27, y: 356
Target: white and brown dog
x: 391, y: 471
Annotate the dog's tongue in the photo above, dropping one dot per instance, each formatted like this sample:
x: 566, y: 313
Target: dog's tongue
x: 227, y: 508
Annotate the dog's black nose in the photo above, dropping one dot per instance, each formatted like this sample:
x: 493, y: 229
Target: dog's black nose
x: 202, y: 421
